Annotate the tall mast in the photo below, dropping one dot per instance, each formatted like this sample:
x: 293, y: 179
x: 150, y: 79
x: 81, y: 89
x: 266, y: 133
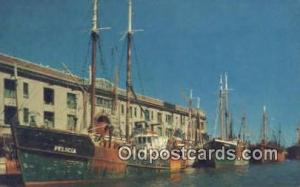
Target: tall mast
x: 265, y: 126
x: 190, y: 132
x: 115, y: 91
x: 198, y: 135
x: 298, y: 136
x: 221, y: 110
x: 17, y: 115
x: 279, y: 135
x: 228, y: 122
x: 128, y: 74
x: 243, y: 128
x: 94, y: 37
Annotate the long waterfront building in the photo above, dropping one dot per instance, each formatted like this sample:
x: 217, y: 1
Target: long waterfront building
x: 50, y: 98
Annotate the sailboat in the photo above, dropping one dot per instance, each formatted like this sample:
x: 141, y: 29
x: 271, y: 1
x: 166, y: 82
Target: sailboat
x: 226, y: 141
x: 294, y: 151
x: 265, y: 144
x: 56, y: 157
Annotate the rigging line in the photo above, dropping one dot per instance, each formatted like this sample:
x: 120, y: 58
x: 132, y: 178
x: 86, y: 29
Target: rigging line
x: 138, y: 67
x: 113, y: 52
x: 119, y: 60
x: 85, y: 64
x: 217, y: 118
x: 102, y: 59
x: 122, y: 55
x: 136, y: 99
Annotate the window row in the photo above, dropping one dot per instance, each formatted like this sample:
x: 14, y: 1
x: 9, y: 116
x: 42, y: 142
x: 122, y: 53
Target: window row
x: 103, y: 102
x: 149, y: 115
x: 48, y: 93
x: 10, y: 116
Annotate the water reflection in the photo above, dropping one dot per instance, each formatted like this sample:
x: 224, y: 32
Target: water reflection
x: 269, y: 175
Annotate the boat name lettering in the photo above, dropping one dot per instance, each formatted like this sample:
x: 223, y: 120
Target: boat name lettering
x: 65, y: 149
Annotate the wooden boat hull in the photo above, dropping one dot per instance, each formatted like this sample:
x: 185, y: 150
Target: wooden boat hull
x: 280, y: 157
x: 294, y: 152
x: 56, y: 158
x: 216, y: 163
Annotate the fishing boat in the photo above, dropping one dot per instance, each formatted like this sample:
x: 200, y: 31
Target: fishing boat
x: 227, y: 160
x: 294, y: 151
x: 265, y: 144
x: 50, y: 157
x: 146, y: 139
x: 226, y: 141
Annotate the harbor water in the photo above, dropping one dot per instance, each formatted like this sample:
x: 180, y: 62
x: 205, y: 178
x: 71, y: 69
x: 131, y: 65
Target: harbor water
x: 285, y: 174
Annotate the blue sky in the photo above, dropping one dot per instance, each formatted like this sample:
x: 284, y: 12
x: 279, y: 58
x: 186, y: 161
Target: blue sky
x: 185, y: 45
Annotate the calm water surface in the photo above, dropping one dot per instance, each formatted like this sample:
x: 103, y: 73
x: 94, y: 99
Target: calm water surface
x: 286, y: 174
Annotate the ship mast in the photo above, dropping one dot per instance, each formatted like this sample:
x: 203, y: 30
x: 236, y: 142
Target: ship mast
x: 17, y: 115
x: 198, y: 135
x: 128, y: 73
x: 298, y: 136
x: 190, y: 131
x: 265, y: 126
x: 242, y: 132
x: 94, y: 37
x: 221, y: 110
x: 279, y: 135
x: 226, y: 110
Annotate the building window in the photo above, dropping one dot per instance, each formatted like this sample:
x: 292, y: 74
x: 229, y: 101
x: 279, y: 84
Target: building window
x: 32, y: 121
x: 122, y: 109
x: 25, y: 115
x: 135, y: 112
x: 159, y: 131
x: 159, y: 117
x: 130, y: 112
x: 106, y: 103
x: 72, y: 122
x: 25, y: 90
x: 49, y: 119
x: 48, y: 96
x: 169, y: 132
x: 169, y: 119
x: 9, y: 88
x: 152, y: 115
x: 71, y: 100
x: 147, y: 115
x: 182, y: 119
x: 10, y: 113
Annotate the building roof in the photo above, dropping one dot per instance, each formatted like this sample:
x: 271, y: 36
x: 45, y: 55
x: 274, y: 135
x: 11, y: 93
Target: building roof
x: 46, y: 73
